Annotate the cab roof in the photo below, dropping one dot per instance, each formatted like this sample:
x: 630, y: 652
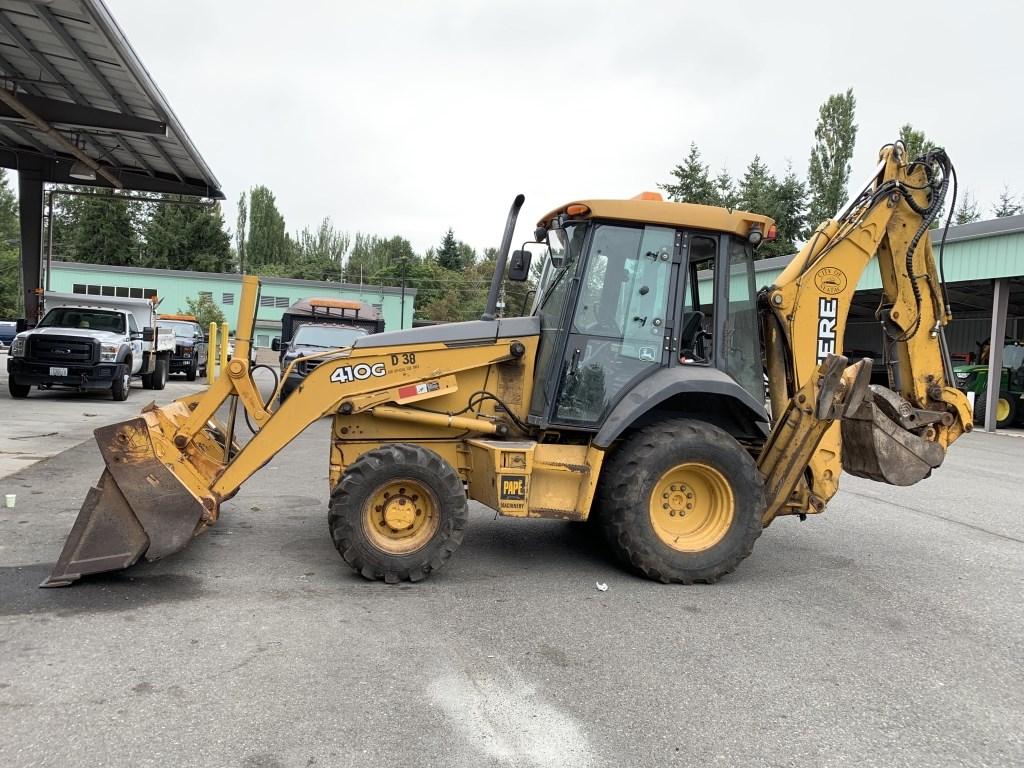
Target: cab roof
x: 648, y: 211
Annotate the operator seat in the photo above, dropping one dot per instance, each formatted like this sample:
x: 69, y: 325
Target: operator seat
x: 693, y: 325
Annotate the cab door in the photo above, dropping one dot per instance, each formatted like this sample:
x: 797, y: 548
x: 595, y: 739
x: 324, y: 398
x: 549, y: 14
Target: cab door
x: 620, y: 329
x: 135, y: 341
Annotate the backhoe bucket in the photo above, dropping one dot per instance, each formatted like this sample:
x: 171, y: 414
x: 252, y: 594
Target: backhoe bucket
x: 878, y: 448
x: 138, y: 507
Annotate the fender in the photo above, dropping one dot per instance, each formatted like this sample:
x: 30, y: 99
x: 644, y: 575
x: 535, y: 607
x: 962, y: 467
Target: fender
x: 669, y: 382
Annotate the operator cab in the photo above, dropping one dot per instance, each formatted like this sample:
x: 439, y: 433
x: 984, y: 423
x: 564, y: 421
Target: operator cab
x: 650, y: 287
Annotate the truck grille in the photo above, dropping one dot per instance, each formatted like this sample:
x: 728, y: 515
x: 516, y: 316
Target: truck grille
x: 62, y: 349
x: 307, y: 367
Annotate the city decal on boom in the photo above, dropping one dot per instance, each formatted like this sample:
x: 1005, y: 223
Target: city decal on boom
x: 830, y: 281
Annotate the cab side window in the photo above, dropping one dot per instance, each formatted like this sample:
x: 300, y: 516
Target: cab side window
x: 696, y: 335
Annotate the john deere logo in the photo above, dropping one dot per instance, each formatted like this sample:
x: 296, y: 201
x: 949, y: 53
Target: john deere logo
x: 830, y: 280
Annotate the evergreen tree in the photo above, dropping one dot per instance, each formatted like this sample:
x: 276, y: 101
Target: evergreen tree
x: 267, y: 242
x: 187, y: 237
x: 448, y: 256
x: 915, y: 141
x: 789, y: 209
x: 1007, y: 205
x: 96, y: 228
x: 785, y: 202
x: 756, y: 188
x: 835, y: 137
x: 725, y: 190
x: 11, y: 301
x: 967, y: 211
x: 240, y: 232
x: 693, y: 182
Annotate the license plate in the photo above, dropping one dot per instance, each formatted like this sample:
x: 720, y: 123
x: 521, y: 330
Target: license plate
x: 58, y: 371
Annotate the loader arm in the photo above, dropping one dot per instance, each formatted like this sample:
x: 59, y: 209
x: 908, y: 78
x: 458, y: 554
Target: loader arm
x: 169, y: 470
x: 896, y: 434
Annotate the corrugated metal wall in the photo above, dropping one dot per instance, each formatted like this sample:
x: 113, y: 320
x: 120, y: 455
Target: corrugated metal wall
x: 961, y: 335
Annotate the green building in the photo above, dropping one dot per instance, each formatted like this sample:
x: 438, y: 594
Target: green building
x: 174, y: 286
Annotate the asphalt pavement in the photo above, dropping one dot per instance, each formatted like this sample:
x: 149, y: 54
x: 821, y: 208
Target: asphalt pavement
x: 886, y: 632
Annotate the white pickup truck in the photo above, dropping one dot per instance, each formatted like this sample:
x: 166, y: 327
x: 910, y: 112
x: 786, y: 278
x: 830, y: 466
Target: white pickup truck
x: 91, y: 343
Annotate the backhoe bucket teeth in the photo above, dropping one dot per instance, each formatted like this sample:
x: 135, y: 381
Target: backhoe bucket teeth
x: 138, y: 507
x: 877, y: 448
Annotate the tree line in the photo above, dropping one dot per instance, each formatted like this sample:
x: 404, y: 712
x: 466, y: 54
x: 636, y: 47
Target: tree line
x: 799, y: 204
x: 451, y: 278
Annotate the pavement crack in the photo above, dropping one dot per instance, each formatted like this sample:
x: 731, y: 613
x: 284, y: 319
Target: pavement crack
x: 926, y: 513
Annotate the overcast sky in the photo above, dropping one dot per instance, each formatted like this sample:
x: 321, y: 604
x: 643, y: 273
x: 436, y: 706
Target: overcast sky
x: 411, y: 117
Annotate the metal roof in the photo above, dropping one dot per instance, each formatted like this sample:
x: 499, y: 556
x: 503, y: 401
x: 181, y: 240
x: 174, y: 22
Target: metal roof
x: 73, y: 84
x: 266, y: 280
x: 1007, y: 225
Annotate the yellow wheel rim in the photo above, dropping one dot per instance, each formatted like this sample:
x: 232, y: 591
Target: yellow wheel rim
x: 691, y: 507
x: 1002, y: 409
x: 401, y: 517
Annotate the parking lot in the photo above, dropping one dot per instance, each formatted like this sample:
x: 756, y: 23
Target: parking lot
x: 886, y: 632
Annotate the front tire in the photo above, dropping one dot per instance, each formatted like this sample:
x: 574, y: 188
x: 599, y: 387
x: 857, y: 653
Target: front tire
x: 18, y: 390
x: 398, y: 513
x: 193, y: 369
x: 122, y: 383
x: 681, y: 501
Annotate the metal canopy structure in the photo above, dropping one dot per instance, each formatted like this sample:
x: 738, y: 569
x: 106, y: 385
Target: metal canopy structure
x: 69, y: 64
x: 77, y: 106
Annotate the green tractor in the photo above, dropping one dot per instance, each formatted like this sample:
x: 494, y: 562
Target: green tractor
x: 1009, y: 407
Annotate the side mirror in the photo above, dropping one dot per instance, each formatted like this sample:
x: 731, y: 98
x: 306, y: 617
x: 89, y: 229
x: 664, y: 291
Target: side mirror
x: 275, y: 345
x: 147, y: 334
x: 206, y: 338
x: 21, y: 324
x: 519, y: 266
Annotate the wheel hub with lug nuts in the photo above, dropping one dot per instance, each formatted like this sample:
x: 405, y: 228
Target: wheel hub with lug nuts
x: 692, y: 507
x: 401, y: 517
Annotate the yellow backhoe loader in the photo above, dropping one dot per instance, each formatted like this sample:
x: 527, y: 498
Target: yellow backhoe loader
x: 631, y: 396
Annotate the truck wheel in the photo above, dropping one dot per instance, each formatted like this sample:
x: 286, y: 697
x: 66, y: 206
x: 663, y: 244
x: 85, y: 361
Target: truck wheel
x: 122, y: 382
x: 18, y: 390
x: 681, y: 501
x: 1006, y: 409
x: 398, y: 513
x: 160, y: 373
x: 193, y: 369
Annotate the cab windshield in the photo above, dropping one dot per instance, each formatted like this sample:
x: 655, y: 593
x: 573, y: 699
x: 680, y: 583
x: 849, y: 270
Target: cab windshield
x: 75, y: 317
x: 182, y: 330
x: 327, y: 338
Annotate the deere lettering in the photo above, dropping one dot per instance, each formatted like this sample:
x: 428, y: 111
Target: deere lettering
x: 828, y: 309
x: 346, y: 373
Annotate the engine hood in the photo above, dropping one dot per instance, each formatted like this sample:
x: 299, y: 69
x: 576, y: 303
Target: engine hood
x: 104, y: 337
x: 483, y: 331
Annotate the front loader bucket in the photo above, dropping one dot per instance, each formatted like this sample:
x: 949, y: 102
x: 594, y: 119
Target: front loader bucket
x: 138, y: 507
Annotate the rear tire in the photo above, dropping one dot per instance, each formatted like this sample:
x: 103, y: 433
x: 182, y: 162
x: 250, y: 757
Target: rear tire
x: 681, y: 501
x: 159, y: 375
x: 1006, y: 407
x: 122, y: 382
x: 18, y: 390
x: 398, y: 513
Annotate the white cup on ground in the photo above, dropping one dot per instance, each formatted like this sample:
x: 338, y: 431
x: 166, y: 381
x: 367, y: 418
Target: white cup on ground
x: 9, y: 500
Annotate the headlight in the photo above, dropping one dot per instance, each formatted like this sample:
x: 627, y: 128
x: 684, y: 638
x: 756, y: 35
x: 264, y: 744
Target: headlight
x: 18, y: 346
x: 962, y: 375
x: 108, y: 353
